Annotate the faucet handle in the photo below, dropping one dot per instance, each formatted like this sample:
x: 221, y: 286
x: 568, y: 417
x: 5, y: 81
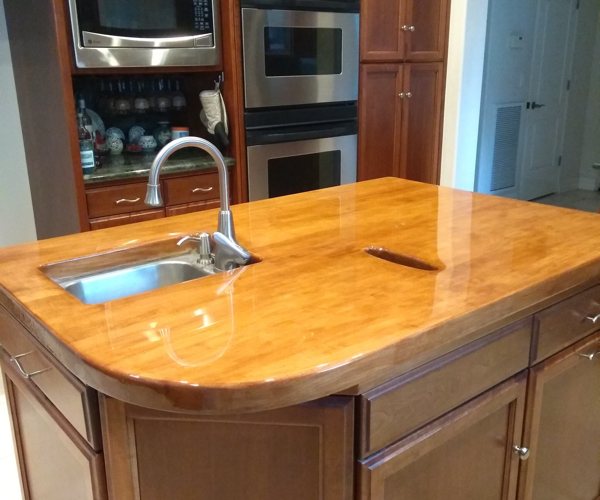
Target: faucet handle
x: 203, y: 239
x: 228, y: 253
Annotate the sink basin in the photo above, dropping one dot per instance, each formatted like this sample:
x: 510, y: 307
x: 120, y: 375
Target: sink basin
x: 104, y: 277
x: 115, y: 284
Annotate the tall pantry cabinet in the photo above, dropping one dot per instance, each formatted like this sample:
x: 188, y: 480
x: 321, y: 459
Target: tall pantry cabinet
x: 403, y: 47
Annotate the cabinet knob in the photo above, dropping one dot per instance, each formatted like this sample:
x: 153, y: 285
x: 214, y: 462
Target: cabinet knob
x: 401, y: 95
x: 593, y: 319
x: 408, y: 27
x: 202, y: 190
x: 127, y: 200
x: 408, y: 94
x: 521, y: 451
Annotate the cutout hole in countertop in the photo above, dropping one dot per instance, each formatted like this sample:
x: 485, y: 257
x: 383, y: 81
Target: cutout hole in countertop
x: 403, y: 260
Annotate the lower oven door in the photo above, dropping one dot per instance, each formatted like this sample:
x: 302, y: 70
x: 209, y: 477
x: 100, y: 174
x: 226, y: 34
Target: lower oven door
x: 293, y: 167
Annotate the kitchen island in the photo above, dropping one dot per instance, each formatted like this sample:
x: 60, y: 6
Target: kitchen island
x: 322, y: 370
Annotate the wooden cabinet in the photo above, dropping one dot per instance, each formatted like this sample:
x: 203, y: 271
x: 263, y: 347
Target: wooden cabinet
x: 400, y: 119
x: 403, y: 51
x: 55, y: 422
x: 411, y: 30
x: 466, y: 454
x: 298, y: 453
x: 563, y: 426
x: 118, y: 204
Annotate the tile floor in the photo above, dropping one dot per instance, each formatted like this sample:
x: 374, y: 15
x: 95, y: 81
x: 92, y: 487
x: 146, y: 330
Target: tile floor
x: 11, y: 490
x: 579, y: 199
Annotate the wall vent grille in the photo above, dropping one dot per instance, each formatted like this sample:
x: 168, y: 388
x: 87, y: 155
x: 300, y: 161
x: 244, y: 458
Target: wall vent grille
x: 506, y: 145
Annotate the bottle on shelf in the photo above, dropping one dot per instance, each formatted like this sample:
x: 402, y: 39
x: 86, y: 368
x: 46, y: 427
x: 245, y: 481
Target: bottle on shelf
x: 86, y: 145
x: 87, y: 121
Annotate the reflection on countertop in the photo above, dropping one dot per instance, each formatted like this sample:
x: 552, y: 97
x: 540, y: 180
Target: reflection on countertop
x: 132, y: 165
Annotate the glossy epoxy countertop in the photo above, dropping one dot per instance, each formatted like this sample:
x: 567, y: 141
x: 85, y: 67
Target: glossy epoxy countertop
x: 317, y: 315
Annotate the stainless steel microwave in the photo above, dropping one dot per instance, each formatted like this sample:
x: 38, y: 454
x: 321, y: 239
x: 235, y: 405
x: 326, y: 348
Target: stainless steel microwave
x: 145, y: 33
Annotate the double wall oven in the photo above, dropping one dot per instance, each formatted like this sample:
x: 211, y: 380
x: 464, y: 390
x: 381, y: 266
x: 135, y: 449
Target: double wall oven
x: 300, y: 87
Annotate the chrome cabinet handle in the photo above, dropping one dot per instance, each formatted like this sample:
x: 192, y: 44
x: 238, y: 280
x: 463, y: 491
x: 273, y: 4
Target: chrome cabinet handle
x: 25, y: 373
x: 126, y: 200
x: 593, y: 319
x: 202, y: 190
x: 408, y: 27
x: 401, y: 95
x: 591, y: 356
x: 521, y: 451
x: 408, y: 94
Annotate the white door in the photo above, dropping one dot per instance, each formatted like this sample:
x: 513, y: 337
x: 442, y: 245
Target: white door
x: 544, y: 122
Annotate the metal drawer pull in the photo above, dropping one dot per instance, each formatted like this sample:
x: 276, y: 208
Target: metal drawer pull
x: 402, y: 95
x: 24, y: 373
x: 407, y: 27
x: 591, y: 356
x: 126, y: 200
x: 593, y: 319
x: 202, y: 190
x: 521, y: 451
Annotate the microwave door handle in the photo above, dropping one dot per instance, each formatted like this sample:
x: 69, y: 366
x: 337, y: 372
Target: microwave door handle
x: 98, y: 40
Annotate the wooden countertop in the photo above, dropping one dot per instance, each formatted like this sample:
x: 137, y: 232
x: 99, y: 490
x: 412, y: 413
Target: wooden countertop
x: 317, y: 315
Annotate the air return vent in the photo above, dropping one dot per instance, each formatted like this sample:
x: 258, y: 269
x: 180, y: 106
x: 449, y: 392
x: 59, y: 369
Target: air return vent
x: 506, y: 144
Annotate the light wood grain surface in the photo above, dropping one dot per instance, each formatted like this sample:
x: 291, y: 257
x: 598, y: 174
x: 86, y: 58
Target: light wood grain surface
x: 318, y: 315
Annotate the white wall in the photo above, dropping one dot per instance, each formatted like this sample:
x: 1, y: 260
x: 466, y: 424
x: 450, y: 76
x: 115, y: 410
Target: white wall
x: 590, y: 152
x: 16, y: 212
x: 466, y: 50
x: 576, y: 168
x: 509, y: 48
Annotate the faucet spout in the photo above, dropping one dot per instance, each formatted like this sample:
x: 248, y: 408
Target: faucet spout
x: 154, y: 199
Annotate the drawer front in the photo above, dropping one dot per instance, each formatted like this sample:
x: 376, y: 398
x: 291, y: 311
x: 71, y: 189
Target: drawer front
x: 406, y: 403
x: 120, y: 220
x: 567, y: 322
x: 192, y: 188
x: 115, y: 200
x: 78, y: 403
x: 192, y: 207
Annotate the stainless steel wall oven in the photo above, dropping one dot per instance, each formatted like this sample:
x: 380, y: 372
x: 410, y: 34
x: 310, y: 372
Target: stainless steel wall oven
x: 300, y: 87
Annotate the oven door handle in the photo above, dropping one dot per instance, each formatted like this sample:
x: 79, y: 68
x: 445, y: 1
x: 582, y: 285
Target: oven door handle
x: 300, y: 133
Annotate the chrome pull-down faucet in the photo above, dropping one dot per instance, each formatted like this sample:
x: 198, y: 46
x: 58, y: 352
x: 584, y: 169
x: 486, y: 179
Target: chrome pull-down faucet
x: 228, y: 253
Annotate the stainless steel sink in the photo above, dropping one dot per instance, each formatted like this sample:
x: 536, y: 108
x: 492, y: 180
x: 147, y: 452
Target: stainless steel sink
x: 115, y: 284
x: 104, y: 277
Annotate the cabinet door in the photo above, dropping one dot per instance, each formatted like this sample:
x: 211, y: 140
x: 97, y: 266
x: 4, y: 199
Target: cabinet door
x: 465, y: 455
x: 563, y: 426
x: 425, y: 28
x: 397, y: 30
x: 380, y: 30
x: 421, y: 122
x: 54, y: 460
x: 297, y: 453
x: 379, y: 120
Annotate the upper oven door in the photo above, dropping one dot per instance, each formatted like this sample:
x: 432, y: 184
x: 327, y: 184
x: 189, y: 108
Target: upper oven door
x: 299, y: 57
x: 143, y: 23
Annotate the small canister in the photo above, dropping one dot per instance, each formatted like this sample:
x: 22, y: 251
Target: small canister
x: 178, y: 132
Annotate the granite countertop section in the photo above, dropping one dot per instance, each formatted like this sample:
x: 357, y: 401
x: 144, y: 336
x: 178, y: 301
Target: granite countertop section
x: 133, y: 165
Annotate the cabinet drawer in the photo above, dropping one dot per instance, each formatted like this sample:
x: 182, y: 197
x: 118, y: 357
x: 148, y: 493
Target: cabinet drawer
x: 187, y: 208
x: 116, y: 199
x: 192, y: 188
x: 120, y: 220
x: 77, y: 402
x: 567, y: 322
x: 406, y: 403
